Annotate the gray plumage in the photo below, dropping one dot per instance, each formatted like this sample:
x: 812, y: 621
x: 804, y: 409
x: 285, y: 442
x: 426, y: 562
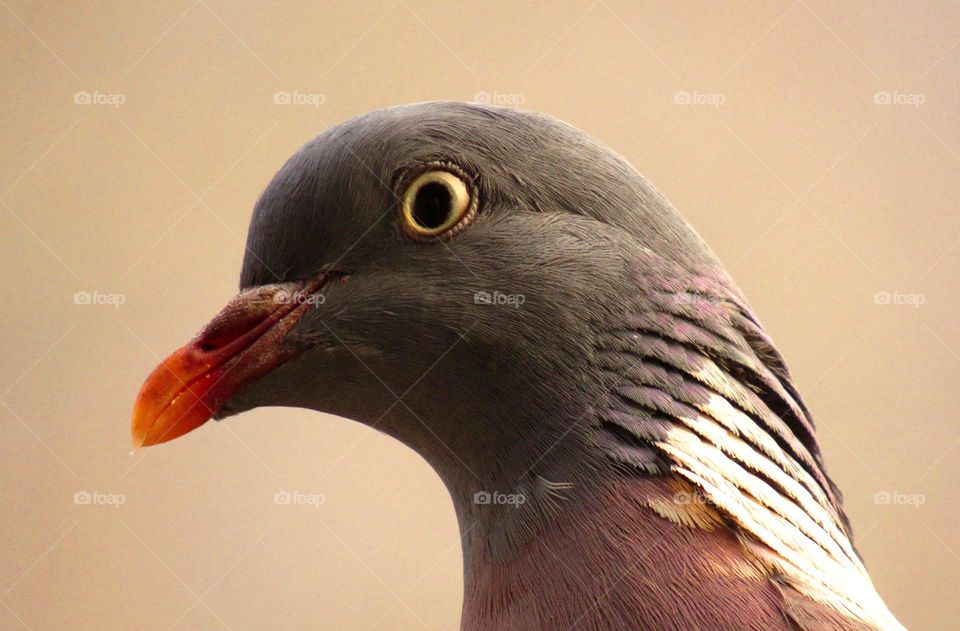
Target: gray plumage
x: 633, y: 373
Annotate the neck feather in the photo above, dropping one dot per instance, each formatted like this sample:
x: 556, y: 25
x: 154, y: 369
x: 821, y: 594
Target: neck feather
x: 614, y: 562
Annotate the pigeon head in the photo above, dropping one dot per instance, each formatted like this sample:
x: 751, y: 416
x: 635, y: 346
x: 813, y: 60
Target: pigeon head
x: 439, y: 271
x: 516, y: 303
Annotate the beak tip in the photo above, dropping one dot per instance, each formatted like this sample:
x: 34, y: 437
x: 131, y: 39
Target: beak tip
x: 167, y: 407
x: 137, y: 437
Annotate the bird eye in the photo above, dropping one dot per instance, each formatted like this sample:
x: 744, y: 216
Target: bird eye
x: 437, y: 202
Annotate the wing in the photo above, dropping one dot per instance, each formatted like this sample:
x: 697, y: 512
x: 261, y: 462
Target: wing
x: 699, y: 391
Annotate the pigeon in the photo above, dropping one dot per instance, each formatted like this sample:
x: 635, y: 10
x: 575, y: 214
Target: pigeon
x: 623, y: 444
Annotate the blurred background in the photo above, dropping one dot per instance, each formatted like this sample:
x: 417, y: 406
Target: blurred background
x: 815, y: 145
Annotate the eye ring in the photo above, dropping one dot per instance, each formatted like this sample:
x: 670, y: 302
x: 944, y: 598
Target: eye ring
x: 438, y: 200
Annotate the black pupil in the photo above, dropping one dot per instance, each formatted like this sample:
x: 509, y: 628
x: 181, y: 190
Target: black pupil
x: 431, y: 206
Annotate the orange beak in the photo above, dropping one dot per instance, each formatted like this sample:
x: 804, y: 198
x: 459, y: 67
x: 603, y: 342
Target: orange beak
x: 240, y: 345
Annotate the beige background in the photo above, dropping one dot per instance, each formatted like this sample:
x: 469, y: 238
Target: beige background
x: 814, y: 194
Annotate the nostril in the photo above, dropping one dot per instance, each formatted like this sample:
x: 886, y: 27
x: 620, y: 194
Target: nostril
x: 217, y: 340
x: 228, y: 327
